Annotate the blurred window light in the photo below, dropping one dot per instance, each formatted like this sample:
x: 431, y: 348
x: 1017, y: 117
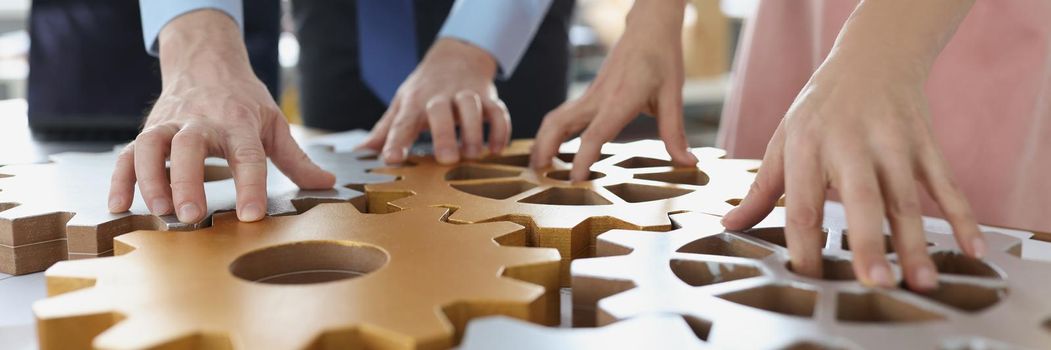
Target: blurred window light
x: 288, y: 50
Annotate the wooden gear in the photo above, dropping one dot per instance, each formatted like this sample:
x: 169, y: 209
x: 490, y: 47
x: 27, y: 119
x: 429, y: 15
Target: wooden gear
x: 634, y: 186
x: 646, y: 332
x: 49, y: 211
x: 273, y: 284
x: 741, y: 285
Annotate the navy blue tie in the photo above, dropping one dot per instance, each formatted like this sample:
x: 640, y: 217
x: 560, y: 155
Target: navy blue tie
x: 386, y: 44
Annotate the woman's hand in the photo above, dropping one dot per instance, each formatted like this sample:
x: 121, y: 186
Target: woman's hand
x: 861, y: 126
x: 643, y: 74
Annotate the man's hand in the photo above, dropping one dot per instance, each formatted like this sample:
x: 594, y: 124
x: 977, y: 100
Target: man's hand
x: 211, y: 104
x: 643, y: 74
x: 861, y: 126
x: 452, y: 86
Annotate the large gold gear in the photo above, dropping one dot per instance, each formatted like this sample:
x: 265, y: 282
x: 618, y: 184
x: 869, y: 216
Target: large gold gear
x: 51, y: 211
x: 271, y: 284
x: 739, y: 283
x: 634, y: 186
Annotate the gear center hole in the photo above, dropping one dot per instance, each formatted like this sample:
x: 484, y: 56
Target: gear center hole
x: 308, y: 262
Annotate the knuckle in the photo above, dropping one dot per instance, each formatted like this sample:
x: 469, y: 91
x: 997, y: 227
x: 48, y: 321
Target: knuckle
x: 594, y: 135
x: 437, y: 101
x: 804, y: 216
x: 905, y: 207
x: 467, y: 95
x: 249, y: 154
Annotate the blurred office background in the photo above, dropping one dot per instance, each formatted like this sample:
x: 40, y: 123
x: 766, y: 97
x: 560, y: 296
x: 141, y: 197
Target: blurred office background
x: 711, y: 32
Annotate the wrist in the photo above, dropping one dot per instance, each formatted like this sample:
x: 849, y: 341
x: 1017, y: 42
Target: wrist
x: 202, y: 42
x: 660, y: 14
x: 470, y: 56
x: 873, y: 67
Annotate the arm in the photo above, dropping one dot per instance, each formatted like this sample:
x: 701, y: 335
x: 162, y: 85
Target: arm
x: 211, y: 104
x: 453, y: 84
x: 503, y: 28
x: 861, y: 126
x: 642, y: 74
x: 157, y: 13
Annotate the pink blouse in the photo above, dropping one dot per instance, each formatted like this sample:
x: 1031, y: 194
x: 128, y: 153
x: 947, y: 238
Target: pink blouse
x: 989, y: 94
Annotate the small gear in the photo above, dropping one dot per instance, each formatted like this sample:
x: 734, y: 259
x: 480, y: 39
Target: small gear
x: 741, y: 284
x: 51, y: 211
x: 633, y: 186
x: 645, y: 332
x: 330, y: 278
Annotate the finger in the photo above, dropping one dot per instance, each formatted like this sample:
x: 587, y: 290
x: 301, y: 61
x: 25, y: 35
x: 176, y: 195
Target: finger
x: 671, y: 129
x: 122, y: 183
x: 294, y: 163
x: 499, y: 124
x: 903, y: 213
x: 443, y: 130
x: 805, y: 186
x: 565, y: 120
x: 611, y: 119
x: 151, y: 152
x: 860, y: 190
x: 189, y: 148
x: 938, y: 180
x: 469, y: 110
x: 248, y: 163
x: 378, y: 134
x: 766, y: 190
x: 404, y: 130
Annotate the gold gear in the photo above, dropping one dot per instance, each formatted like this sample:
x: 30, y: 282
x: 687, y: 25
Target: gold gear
x: 633, y: 186
x: 272, y: 284
x: 740, y: 285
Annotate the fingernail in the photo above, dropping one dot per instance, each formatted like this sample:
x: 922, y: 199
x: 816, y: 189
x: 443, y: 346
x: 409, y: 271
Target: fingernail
x: 446, y: 156
x: 188, y: 212
x: 114, y: 204
x: 250, y: 212
x: 926, y: 278
x: 879, y: 275
x: 979, y: 247
x: 160, y: 207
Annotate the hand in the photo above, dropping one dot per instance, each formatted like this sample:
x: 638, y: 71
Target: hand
x: 644, y: 73
x: 211, y: 104
x: 868, y: 136
x: 452, y: 86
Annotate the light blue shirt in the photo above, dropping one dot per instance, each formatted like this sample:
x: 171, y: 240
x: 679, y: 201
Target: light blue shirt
x: 504, y: 28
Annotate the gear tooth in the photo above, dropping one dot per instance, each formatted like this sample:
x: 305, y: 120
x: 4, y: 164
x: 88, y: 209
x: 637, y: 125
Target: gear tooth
x: 709, y: 152
x: 493, y: 229
x: 62, y: 310
x: 533, y: 255
x: 625, y: 238
x: 141, y: 332
x: 598, y: 267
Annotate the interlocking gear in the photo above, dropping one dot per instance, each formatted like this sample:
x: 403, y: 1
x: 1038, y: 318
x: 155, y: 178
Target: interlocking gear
x: 47, y: 210
x: 276, y: 284
x: 741, y: 284
x: 646, y: 332
x: 633, y: 186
